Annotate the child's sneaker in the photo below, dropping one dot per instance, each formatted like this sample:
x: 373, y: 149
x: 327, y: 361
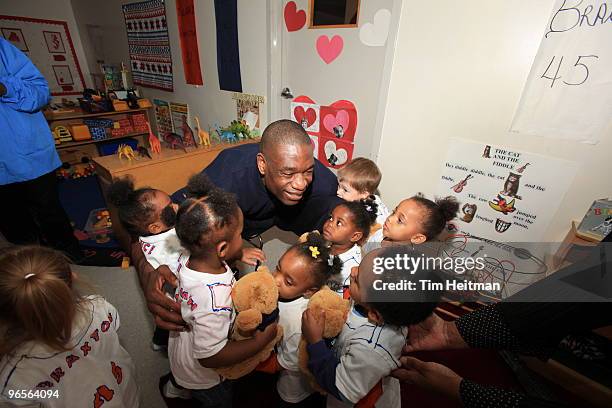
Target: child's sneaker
x: 175, y: 391
x: 160, y: 340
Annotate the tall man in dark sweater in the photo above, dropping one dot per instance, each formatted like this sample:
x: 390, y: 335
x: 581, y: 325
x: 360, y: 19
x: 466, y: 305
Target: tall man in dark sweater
x: 276, y: 183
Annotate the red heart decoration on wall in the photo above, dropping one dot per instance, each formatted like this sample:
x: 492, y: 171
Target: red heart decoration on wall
x: 309, y: 114
x: 294, y: 19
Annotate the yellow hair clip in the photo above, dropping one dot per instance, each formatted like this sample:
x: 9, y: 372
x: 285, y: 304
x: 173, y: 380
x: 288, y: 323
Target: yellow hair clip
x: 314, y: 251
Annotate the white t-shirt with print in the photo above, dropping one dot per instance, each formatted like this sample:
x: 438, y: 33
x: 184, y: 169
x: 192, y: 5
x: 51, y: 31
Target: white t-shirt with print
x: 349, y: 259
x: 292, y: 386
x: 162, y: 249
x: 368, y: 353
x: 97, y: 371
x: 206, y: 306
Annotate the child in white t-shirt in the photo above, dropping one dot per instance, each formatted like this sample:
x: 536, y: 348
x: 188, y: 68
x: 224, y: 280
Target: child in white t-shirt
x: 359, y: 179
x: 210, y: 228
x: 371, y: 341
x: 347, y: 227
x: 300, y: 273
x: 59, y: 349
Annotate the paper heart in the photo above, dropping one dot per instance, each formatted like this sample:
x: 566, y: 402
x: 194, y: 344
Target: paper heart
x: 309, y: 114
x: 375, y: 34
x: 335, y: 156
x: 329, y: 49
x: 294, y: 19
x: 331, y: 121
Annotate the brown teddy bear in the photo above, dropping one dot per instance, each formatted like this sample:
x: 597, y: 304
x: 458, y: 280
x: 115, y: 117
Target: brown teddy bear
x: 336, y: 310
x: 255, y: 298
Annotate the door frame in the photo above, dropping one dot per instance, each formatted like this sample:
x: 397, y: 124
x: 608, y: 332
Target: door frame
x: 276, y: 72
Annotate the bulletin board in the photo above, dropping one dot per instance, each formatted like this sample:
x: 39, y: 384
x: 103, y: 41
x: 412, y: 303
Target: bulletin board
x: 48, y: 44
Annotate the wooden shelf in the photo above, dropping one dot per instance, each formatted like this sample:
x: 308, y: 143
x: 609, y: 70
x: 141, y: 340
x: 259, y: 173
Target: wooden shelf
x: 67, y: 145
x: 79, y: 114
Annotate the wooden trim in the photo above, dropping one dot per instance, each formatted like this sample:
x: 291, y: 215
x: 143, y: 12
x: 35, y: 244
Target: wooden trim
x: 80, y: 114
x: 311, y: 18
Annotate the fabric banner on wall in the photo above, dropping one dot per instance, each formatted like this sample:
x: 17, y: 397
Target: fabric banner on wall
x: 49, y: 45
x: 149, y: 45
x: 228, y: 53
x: 568, y: 94
x: 188, y: 35
x: 506, y: 195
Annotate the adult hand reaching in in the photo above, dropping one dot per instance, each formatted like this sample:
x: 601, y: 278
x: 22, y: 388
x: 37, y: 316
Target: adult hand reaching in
x: 431, y: 376
x: 167, y: 312
x: 434, y: 333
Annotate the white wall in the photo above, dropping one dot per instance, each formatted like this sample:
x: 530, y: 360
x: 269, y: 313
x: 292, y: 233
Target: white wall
x: 50, y: 10
x: 459, y: 70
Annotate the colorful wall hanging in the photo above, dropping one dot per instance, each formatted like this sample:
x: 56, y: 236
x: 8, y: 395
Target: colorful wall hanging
x: 331, y: 128
x: 228, y: 52
x: 188, y: 36
x: 149, y: 45
x: 49, y: 45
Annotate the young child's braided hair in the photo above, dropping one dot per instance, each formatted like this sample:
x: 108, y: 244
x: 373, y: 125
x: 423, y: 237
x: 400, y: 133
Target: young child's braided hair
x: 206, y: 210
x: 318, y: 254
x: 364, y: 213
x: 134, y: 207
x: 438, y: 213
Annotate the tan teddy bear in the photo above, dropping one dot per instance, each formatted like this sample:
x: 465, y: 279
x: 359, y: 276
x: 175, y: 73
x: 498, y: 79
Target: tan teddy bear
x: 255, y: 297
x: 336, y: 310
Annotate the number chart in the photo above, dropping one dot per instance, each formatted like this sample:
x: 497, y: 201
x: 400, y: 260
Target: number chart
x: 568, y: 94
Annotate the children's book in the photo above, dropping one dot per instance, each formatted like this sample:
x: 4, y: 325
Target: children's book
x: 597, y: 222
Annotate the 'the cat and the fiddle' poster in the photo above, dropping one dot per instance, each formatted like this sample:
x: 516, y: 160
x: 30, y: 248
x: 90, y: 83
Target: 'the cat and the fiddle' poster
x: 505, y: 195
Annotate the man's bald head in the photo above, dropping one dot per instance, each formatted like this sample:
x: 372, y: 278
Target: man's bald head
x: 283, y: 132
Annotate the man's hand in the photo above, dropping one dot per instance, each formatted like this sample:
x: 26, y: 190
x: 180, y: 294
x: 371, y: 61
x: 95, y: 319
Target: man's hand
x: 251, y: 256
x: 433, y: 333
x: 167, y: 312
x: 313, y: 323
x: 431, y: 376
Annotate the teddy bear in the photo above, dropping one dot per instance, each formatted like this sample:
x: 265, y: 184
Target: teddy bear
x: 336, y: 310
x: 255, y: 298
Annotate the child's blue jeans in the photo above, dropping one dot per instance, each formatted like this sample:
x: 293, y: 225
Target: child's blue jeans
x: 219, y: 396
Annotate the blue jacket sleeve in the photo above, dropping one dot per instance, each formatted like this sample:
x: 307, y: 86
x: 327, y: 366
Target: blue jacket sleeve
x: 322, y: 364
x: 26, y: 89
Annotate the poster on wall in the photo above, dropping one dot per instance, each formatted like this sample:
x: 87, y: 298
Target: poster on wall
x: 505, y: 195
x: 573, y: 66
x: 248, y: 108
x: 163, y: 119
x: 149, y: 44
x: 179, y: 113
x: 49, y: 45
x: 332, y: 128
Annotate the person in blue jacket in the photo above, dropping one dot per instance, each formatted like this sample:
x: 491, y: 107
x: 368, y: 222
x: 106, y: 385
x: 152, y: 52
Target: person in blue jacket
x: 277, y: 182
x: 28, y: 159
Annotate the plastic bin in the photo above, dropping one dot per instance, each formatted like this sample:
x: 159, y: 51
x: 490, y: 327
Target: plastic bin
x: 111, y: 147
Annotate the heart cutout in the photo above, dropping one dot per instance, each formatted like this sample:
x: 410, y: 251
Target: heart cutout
x: 375, y: 34
x: 329, y: 49
x: 335, y: 156
x: 309, y: 114
x: 294, y: 19
x: 331, y: 122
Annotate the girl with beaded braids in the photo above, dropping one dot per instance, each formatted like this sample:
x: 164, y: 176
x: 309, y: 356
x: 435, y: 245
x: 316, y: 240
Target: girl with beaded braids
x: 345, y: 230
x: 209, y: 225
x: 302, y: 270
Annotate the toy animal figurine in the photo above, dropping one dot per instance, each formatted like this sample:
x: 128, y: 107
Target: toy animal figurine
x: 188, y: 138
x: 153, y: 141
x: 174, y: 140
x: 143, y: 152
x: 203, y: 136
x: 126, y: 151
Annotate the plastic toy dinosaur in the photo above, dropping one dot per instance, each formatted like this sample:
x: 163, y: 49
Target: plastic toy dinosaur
x: 188, y: 138
x: 153, y: 141
x: 126, y: 151
x: 143, y: 152
x: 203, y: 136
x: 174, y: 140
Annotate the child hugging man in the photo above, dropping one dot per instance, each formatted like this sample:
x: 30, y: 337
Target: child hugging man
x: 371, y: 341
x: 359, y: 179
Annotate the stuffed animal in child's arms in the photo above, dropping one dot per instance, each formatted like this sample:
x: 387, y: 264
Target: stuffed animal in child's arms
x: 336, y: 310
x: 255, y: 298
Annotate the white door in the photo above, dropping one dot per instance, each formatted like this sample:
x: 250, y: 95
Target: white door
x: 332, y: 77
